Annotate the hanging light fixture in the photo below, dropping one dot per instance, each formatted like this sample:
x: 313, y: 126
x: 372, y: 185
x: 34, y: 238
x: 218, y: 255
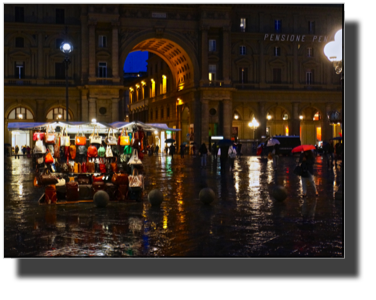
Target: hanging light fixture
x: 333, y: 51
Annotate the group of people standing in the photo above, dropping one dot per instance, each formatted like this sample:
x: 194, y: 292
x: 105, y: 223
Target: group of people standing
x: 25, y: 150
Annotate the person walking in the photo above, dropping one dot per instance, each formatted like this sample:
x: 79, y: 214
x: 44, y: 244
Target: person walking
x: 330, y: 153
x: 214, y: 151
x: 275, y: 156
x: 172, y: 150
x: 203, y: 151
x: 16, y: 150
x: 182, y: 150
x: 24, y: 150
x: 307, y: 161
x: 156, y: 150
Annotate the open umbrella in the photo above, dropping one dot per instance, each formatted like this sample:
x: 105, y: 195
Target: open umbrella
x: 225, y: 142
x: 170, y: 141
x: 272, y: 142
x: 303, y: 148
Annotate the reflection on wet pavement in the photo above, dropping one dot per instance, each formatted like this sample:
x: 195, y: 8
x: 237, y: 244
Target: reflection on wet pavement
x: 244, y: 221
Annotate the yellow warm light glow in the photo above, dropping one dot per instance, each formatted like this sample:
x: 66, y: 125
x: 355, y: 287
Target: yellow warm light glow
x: 301, y: 117
x: 143, y: 82
x: 137, y: 86
x: 131, y: 89
x: 269, y: 117
x: 164, y: 76
x: 180, y: 102
x: 236, y: 117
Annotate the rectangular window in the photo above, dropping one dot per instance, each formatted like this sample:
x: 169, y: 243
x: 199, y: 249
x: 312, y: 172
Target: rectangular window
x: 243, y: 75
x: 243, y: 50
x: 310, y: 52
x: 58, y: 43
x: 19, y: 14
x: 19, y: 42
x: 309, y: 77
x: 168, y: 112
x: 277, y: 51
x: 212, y: 72
x: 243, y: 24
x: 164, y: 85
x: 311, y: 27
x: 277, y: 75
x: 318, y: 133
x: 19, y: 71
x: 212, y: 45
x: 60, y: 16
x: 102, y: 41
x: 287, y: 131
x: 278, y: 25
x: 102, y: 69
x: 59, y: 70
x: 152, y: 88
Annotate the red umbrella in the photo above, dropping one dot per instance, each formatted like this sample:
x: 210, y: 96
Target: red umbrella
x: 303, y: 148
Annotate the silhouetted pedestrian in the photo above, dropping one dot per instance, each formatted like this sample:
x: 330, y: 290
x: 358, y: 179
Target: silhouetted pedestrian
x: 203, y: 151
x: 307, y: 161
x: 16, y: 150
x: 182, y: 150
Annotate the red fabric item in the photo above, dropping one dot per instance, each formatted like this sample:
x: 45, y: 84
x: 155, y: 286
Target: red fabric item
x: 97, y: 178
x: 38, y: 136
x: 50, y: 195
x: 48, y: 159
x: 92, y: 151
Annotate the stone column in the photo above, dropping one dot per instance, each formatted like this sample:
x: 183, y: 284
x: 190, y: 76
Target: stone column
x: 40, y: 59
x: 226, y: 55
x: 40, y: 113
x: 84, y: 108
x: 295, y: 124
x: 262, y: 121
x: 92, y: 46
x: 115, y: 51
x: 115, y: 109
x: 92, y: 108
x: 204, y: 54
x: 194, y: 117
x: 262, y: 64
x: 227, y: 118
x: 84, y: 49
x: 205, y: 121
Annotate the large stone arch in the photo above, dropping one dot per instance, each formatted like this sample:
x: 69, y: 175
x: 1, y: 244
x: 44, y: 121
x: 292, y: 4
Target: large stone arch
x: 54, y: 105
x: 274, y: 106
x: 171, y: 47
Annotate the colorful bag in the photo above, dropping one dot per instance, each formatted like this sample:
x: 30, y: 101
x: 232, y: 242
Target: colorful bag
x: 134, y: 160
x: 38, y: 136
x: 83, y: 167
x: 82, y: 150
x: 51, y: 149
x: 57, y: 148
x: 120, y: 178
x: 110, y: 140
x: 80, y: 140
x: 95, y: 138
x: 102, y: 166
x: 98, y: 178
x: 101, y: 151
x: 49, y: 158
x: 50, y: 195
x: 124, y: 140
x: 109, y: 151
x: 49, y: 138
x: 75, y: 168
x: 90, y: 167
x: 135, y: 141
x: 136, y: 180
x: 127, y: 150
x: 115, y: 150
x: 92, y: 151
x: 114, y: 166
x: 72, y: 151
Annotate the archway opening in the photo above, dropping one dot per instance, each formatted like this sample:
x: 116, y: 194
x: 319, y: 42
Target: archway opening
x: 311, y: 125
x: 277, y: 121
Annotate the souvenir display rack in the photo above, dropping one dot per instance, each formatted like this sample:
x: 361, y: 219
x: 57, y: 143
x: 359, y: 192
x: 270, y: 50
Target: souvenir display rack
x: 74, y: 160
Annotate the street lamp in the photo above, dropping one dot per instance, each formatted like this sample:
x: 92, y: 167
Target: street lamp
x: 333, y: 51
x: 254, y: 125
x: 66, y: 48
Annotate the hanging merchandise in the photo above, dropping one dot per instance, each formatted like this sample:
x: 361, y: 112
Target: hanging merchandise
x: 123, y: 158
x: 134, y: 160
x: 95, y: 138
x: 102, y: 166
x: 82, y: 150
x: 136, y: 180
x: 46, y: 178
x: 97, y: 178
x: 39, y: 148
x: 72, y: 151
x: 49, y: 158
x: 80, y: 140
x: 101, y: 151
x: 109, y: 151
x: 57, y: 147
x: 92, y: 151
x: 83, y: 167
x: 141, y: 136
x: 40, y: 160
x: 108, y: 166
x: 115, y: 150
x: 49, y: 137
x: 120, y: 178
x: 75, y: 168
x: 90, y: 167
x: 114, y: 166
x: 61, y: 182
x: 110, y: 139
x: 124, y: 139
x: 51, y: 149
x: 64, y: 139
x: 38, y: 136
x: 135, y: 141
x: 127, y: 150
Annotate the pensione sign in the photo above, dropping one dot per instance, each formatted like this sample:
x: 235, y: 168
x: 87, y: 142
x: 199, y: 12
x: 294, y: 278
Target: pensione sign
x: 273, y: 37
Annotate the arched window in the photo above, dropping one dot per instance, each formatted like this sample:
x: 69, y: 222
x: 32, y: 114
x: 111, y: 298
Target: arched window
x: 20, y: 113
x: 57, y: 113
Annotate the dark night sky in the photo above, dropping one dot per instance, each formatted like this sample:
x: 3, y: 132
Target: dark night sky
x: 136, y: 62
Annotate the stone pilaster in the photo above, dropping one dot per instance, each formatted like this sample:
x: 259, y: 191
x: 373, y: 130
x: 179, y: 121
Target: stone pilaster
x: 262, y: 121
x: 84, y: 50
x: 40, y: 59
x: 204, y: 54
x: 40, y: 113
x: 92, y: 108
x: 84, y: 108
x: 115, y: 51
x: 205, y: 121
x: 92, y: 47
x: 327, y: 132
x: 227, y: 118
x: 295, y: 124
x: 115, y: 109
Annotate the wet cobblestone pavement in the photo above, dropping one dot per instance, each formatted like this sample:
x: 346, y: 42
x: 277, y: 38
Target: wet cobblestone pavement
x: 244, y: 221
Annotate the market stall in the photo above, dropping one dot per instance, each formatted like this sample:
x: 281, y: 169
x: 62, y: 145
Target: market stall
x: 74, y: 160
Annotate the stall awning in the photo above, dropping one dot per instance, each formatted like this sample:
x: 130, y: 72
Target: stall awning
x: 159, y: 126
x: 144, y: 126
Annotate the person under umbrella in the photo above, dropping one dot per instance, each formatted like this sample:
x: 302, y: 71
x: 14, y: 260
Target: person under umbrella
x: 307, y: 161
